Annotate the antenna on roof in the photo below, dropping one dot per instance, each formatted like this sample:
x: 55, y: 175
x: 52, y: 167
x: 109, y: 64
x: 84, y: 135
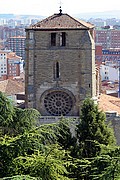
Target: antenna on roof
x: 60, y: 8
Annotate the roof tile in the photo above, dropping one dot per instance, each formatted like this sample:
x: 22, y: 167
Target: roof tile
x: 61, y: 21
x: 109, y: 103
x: 11, y: 87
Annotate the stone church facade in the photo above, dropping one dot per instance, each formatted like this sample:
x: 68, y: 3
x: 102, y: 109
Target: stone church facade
x: 60, y: 65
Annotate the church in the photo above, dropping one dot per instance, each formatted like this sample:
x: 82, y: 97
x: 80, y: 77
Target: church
x: 60, y: 65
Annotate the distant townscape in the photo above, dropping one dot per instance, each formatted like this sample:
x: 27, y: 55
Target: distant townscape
x: 60, y: 97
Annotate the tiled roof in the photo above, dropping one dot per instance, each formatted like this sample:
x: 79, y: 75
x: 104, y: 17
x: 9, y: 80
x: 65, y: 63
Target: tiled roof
x: 11, y: 87
x: 13, y: 55
x: 109, y: 103
x: 61, y: 21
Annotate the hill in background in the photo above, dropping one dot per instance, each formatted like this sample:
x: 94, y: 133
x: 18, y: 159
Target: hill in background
x: 102, y: 15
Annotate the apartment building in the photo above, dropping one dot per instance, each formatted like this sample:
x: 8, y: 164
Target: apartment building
x: 108, y: 38
x: 14, y: 63
x: 17, y: 45
x: 7, y: 32
x: 11, y: 65
x: 109, y: 54
x: 109, y: 72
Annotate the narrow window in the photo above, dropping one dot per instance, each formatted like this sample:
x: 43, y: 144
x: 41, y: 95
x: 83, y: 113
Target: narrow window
x: 63, y: 39
x: 31, y: 35
x: 53, y: 39
x: 57, y: 70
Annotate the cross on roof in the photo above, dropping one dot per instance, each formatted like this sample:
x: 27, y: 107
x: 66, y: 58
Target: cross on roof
x: 60, y: 7
x: 60, y: 10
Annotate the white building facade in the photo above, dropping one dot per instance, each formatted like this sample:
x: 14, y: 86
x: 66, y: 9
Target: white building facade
x: 109, y: 73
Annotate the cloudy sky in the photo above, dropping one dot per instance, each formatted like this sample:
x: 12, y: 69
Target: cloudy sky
x: 49, y: 7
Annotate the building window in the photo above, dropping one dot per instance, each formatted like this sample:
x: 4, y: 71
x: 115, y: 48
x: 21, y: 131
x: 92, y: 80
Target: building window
x: 57, y: 70
x: 31, y: 36
x: 63, y: 39
x: 58, y: 103
x: 53, y: 39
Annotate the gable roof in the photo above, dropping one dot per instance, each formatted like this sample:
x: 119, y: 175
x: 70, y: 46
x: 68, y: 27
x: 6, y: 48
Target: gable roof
x: 61, y: 21
x: 11, y: 87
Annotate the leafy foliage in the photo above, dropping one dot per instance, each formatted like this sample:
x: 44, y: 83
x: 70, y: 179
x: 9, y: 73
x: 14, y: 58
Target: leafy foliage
x: 14, y: 121
x: 6, y: 113
x: 28, y: 149
x: 47, y: 165
x: 92, y: 130
x: 54, y: 151
x: 24, y: 120
x: 25, y: 154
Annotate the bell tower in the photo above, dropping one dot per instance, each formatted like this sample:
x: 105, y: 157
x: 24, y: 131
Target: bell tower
x: 60, y: 66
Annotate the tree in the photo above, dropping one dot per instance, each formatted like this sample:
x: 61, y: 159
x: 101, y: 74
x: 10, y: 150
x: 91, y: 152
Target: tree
x: 92, y: 130
x: 32, y: 150
x: 13, y: 120
x: 41, y: 152
x: 27, y: 154
x: 65, y: 138
x: 24, y: 120
x: 7, y: 112
x: 45, y: 165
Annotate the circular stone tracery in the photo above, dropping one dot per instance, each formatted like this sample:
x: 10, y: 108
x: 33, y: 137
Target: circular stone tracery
x: 58, y: 103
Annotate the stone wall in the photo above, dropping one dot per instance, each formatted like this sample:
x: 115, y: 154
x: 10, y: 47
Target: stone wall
x: 76, y: 63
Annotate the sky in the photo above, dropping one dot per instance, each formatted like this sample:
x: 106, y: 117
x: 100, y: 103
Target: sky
x: 49, y: 7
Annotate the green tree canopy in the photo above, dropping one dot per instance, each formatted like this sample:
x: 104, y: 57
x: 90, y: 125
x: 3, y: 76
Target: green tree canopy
x: 92, y: 130
x: 50, y: 151
x: 13, y: 120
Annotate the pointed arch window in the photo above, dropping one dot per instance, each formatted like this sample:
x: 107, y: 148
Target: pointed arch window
x: 56, y: 69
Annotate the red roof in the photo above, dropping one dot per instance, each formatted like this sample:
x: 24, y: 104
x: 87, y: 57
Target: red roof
x: 109, y: 103
x: 11, y: 87
x: 12, y: 55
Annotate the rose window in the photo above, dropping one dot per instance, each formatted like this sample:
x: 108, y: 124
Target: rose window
x: 58, y: 103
